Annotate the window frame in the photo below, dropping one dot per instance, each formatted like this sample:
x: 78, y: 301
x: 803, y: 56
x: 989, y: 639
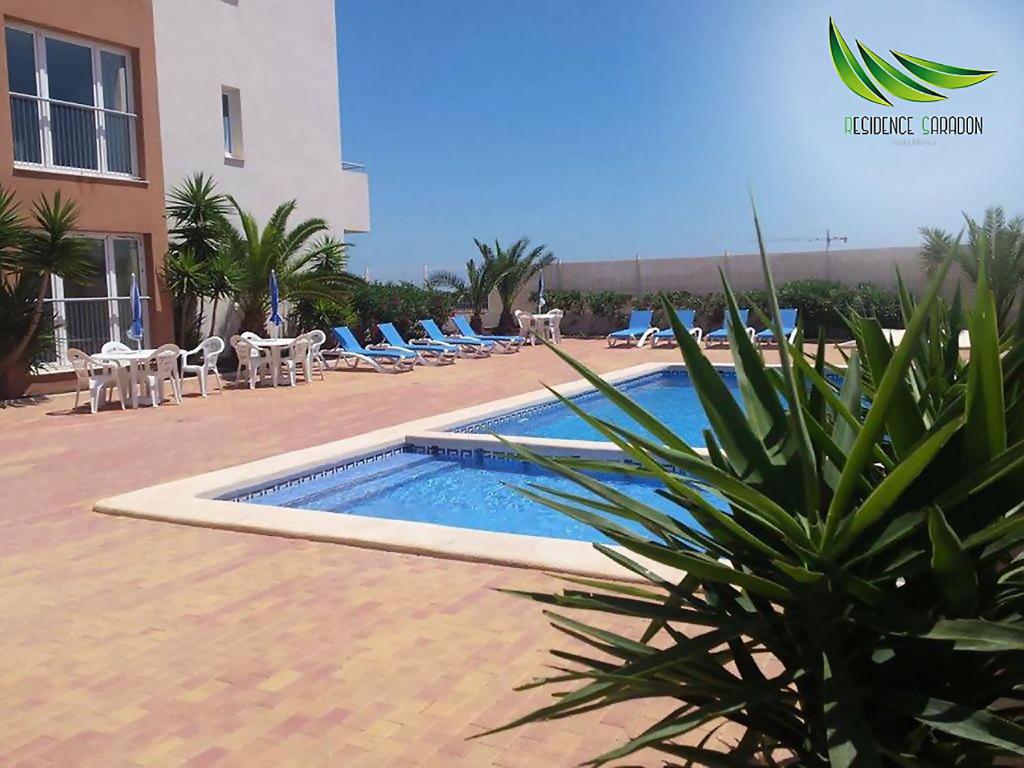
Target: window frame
x: 110, y: 281
x: 42, y: 98
x: 234, y: 142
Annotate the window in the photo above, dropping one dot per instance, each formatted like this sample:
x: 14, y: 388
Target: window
x: 90, y: 314
x: 71, y: 104
x: 231, y: 113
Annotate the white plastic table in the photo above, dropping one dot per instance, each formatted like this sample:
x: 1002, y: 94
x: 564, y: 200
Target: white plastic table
x: 546, y: 324
x: 133, y: 359
x: 275, y: 346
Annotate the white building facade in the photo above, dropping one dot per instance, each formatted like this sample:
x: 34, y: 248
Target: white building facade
x: 248, y: 93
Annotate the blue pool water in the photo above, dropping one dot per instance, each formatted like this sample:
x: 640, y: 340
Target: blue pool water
x: 467, y: 491
x: 669, y: 395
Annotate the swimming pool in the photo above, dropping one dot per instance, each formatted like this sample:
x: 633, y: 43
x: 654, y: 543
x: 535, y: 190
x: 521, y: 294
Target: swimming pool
x: 669, y: 395
x: 465, y: 489
x: 438, y: 486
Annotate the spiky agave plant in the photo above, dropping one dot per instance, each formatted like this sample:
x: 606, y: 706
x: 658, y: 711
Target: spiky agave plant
x: 858, y: 598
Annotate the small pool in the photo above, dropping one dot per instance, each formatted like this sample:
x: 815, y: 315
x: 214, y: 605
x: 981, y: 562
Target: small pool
x: 470, y: 489
x: 669, y: 395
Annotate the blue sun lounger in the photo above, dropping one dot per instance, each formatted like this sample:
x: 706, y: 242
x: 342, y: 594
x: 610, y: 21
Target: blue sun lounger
x: 432, y: 354
x: 721, y: 335
x: 685, y: 317
x: 504, y: 343
x: 767, y: 336
x: 467, y: 346
x: 352, y: 353
x: 639, y: 329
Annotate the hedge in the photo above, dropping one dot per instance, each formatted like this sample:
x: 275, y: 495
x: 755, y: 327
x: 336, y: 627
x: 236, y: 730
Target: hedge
x: 821, y: 303
x: 403, y: 304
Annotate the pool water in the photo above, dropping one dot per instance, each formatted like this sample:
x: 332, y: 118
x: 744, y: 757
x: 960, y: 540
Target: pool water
x: 471, y: 490
x: 670, y: 396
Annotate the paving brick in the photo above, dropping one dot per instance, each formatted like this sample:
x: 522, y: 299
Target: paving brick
x: 136, y: 643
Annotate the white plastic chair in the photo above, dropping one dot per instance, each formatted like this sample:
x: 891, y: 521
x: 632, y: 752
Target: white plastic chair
x: 114, y: 346
x: 162, y: 366
x: 318, y: 362
x: 250, y: 336
x: 95, y: 376
x: 298, y: 356
x: 211, y: 349
x: 252, y: 361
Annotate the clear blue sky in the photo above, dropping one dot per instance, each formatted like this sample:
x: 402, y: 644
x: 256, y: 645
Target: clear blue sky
x: 610, y: 128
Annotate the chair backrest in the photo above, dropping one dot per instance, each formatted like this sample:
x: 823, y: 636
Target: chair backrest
x: 251, y: 336
x: 115, y: 346
x: 317, y: 339
x: 743, y: 318
x: 462, y: 323
x: 788, y: 318
x: 432, y: 330
x: 347, y: 339
x: 391, y: 334
x: 641, y: 318
x: 244, y: 348
x: 211, y: 348
x: 166, y: 359
x: 81, y: 363
x: 299, y: 348
x: 685, y: 317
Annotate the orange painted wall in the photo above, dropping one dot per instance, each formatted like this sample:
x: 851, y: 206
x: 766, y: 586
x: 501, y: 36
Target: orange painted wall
x: 105, y: 205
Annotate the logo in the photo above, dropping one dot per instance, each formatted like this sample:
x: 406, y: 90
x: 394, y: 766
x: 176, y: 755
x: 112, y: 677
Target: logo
x: 895, y: 81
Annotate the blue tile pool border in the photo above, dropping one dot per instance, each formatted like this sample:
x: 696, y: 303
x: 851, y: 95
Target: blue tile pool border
x: 272, y: 486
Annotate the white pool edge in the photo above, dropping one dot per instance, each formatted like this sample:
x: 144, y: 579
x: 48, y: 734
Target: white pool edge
x: 194, y: 500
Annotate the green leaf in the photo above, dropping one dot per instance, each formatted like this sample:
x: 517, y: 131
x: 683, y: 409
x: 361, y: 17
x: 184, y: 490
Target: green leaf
x: 622, y: 401
x: 971, y: 634
x: 849, y: 69
x: 888, y: 492
x: 874, y: 423
x: 803, y: 455
x: 978, y: 725
x: 953, y: 568
x: 707, y: 569
x: 986, y: 409
x: 894, y: 81
x: 850, y: 742
x: 742, y: 448
x: 942, y: 75
x: 904, y: 422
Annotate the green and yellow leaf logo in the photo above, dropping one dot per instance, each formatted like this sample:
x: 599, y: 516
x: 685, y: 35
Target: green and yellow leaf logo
x: 895, y: 81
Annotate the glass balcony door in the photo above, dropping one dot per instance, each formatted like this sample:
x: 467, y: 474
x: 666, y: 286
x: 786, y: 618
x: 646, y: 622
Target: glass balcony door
x: 88, y: 315
x: 71, y: 103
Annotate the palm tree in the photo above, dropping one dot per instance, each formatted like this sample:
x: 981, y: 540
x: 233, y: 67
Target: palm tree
x: 46, y: 249
x: 222, y: 272
x: 997, y: 241
x: 476, y: 288
x: 516, y: 265
x: 195, y: 263
x: 198, y: 216
x: 291, y: 254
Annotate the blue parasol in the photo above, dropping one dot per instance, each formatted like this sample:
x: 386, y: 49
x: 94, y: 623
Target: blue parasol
x: 136, y: 332
x: 541, y: 301
x: 275, y: 315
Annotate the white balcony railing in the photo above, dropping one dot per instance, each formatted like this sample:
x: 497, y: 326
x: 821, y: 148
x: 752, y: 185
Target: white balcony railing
x: 89, y: 323
x: 50, y: 133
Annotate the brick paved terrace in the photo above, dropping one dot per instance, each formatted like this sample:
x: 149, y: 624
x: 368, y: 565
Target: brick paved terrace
x: 135, y: 643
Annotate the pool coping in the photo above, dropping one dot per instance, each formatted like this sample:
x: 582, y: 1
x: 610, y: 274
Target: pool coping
x: 198, y: 500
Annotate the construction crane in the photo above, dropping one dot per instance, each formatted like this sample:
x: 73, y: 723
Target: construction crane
x: 828, y: 239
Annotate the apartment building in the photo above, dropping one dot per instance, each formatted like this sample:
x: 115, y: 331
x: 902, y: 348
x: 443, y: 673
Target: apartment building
x: 115, y: 101
x: 82, y: 117
x: 249, y: 95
